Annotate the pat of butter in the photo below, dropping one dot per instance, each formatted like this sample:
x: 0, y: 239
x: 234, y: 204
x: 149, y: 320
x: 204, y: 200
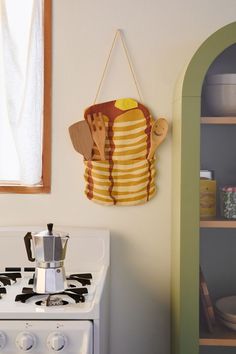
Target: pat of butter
x: 126, y: 103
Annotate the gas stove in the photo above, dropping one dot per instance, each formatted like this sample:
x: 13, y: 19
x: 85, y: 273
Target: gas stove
x: 72, y: 321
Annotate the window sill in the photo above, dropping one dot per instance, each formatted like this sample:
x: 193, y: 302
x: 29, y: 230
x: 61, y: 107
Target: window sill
x: 21, y: 189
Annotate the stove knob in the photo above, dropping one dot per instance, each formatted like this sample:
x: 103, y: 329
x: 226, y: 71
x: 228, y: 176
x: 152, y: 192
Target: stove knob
x: 3, y: 340
x: 56, y: 341
x: 25, y: 341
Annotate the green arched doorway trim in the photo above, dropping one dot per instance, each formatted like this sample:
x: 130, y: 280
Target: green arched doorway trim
x: 186, y: 166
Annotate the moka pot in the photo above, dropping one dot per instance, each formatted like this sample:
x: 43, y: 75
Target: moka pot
x: 49, y: 254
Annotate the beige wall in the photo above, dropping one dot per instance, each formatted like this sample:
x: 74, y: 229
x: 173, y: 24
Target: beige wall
x: 161, y: 36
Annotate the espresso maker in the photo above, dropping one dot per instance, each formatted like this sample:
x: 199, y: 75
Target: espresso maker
x: 49, y: 254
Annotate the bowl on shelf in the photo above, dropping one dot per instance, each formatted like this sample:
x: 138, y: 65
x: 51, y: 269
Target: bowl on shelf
x: 221, y: 94
x: 228, y: 324
x: 226, y: 311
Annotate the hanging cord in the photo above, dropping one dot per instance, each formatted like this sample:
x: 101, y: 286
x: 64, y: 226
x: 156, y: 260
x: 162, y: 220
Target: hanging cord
x: 118, y: 34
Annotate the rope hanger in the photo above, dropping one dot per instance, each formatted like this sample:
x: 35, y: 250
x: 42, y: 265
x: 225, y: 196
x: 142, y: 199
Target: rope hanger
x: 118, y: 34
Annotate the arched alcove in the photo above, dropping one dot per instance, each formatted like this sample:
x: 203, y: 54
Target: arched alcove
x: 185, y: 190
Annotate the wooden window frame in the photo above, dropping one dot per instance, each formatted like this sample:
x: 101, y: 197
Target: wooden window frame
x: 45, y: 185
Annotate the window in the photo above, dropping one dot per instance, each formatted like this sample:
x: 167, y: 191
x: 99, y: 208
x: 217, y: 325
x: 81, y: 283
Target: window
x: 25, y: 96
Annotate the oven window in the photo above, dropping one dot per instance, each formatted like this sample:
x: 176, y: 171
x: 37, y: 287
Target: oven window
x: 25, y: 96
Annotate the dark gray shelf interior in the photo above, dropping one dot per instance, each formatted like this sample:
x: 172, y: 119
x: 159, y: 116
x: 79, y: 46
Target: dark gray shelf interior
x: 218, y: 153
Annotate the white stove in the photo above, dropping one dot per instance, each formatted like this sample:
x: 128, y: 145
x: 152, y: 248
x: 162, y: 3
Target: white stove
x: 72, y: 322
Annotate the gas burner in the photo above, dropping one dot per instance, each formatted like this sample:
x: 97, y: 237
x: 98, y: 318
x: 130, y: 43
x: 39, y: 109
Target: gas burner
x: 77, y: 294
x: 9, y: 278
x: 52, y: 301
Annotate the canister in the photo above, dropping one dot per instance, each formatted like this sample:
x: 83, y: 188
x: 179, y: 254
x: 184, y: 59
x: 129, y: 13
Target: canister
x: 228, y: 202
x: 207, y: 194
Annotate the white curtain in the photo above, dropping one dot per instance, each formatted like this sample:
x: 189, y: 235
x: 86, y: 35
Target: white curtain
x: 21, y: 68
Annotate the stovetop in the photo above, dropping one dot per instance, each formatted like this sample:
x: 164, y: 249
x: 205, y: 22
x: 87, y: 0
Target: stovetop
x: 17, y: 299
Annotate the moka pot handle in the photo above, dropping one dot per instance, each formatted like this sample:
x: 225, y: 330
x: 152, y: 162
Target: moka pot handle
x: 27, y: 239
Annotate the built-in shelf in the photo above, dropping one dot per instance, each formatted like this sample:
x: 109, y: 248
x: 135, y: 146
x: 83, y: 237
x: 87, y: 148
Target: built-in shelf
x: 191, y: 146
x: 221, y: 336
x: 218, y: 120
x: 217, y: 223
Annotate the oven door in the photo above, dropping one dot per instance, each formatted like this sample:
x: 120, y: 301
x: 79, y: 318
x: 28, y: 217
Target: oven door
x: 46, y: 337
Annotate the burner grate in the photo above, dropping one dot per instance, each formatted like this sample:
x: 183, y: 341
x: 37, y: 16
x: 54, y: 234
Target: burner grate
x: 77, y: 294
x: 84, y: 279
x: 2, y: 291
x: 9, y: 278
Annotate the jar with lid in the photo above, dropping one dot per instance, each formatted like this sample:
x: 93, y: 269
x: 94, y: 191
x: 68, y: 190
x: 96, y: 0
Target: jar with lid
x: 228, y: 202
x: 207, y: 194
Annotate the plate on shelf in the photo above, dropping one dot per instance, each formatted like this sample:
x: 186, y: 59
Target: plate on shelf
x: 206, y: 305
